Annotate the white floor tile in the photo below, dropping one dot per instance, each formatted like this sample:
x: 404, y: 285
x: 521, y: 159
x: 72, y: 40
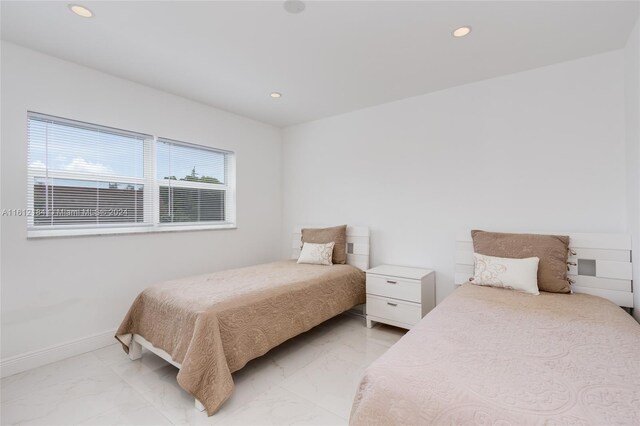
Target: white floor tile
x: 278, y: 406
x: 66, y: 392
x: 331, y: 381
x: 155, y: 380
x: 55, y: 375
x: 310, y: 379
x: 144, y: 415
x: 111, y: 354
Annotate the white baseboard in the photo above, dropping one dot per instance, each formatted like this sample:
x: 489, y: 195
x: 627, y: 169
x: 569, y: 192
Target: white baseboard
x: 37, y: 358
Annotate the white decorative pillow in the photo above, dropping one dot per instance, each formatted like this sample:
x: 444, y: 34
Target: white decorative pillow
x: 317, y: 254
x: 514, y: 274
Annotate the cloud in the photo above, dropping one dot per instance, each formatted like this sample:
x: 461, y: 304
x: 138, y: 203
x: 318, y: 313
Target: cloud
x: 38, y: 164
x: 83, y: 166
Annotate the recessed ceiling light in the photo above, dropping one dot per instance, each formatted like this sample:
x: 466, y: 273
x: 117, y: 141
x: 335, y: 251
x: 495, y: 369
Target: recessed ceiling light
x: 294, y: 6
x: 81, y: 10
x: 461, y: 32
x: 276, y: 95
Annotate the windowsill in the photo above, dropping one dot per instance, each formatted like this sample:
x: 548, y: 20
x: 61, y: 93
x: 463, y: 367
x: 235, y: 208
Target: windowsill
x: 55, y: 233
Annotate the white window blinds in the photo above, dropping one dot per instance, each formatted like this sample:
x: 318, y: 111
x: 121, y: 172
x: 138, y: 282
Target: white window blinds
x: 82, y: 175
x: 194, y: 184
x: 88, y: 177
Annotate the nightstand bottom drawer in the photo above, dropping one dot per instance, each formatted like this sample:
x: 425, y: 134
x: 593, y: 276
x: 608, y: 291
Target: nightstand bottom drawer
x: 393, y: 309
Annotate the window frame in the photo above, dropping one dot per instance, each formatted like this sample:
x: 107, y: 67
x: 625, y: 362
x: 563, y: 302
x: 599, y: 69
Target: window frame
x: 151, y: 222
x: 228, y: 186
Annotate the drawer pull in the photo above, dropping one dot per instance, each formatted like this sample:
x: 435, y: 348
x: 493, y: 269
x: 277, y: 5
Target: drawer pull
x: 392, y: 304
x: 392, y: 282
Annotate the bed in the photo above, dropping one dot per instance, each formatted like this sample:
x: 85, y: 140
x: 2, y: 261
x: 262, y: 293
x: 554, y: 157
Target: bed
x: 211, y: 325
x: 495, y: 356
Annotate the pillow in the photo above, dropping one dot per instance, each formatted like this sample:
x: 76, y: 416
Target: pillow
x: 513, y: 274
x: 553, y: 251
x: 316, y: 254
x: 337, y: 234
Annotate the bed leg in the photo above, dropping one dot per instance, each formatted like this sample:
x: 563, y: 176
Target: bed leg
x: 199, y: 406
x: 135, y: 350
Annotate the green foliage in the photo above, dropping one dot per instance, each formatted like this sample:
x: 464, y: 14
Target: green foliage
x: 193, y: 177
x: 204, y: 179
x: 191, y: 204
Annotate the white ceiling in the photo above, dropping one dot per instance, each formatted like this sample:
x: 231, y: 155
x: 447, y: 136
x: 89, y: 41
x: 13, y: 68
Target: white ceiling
x: 332, y: 58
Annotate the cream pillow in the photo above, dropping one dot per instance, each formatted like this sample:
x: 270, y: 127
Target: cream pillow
x: 317, y: 254
x: 514, y: 274
x: 337, y: 234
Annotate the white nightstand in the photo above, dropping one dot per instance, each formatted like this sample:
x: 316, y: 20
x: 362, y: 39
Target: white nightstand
x: 399, y: 295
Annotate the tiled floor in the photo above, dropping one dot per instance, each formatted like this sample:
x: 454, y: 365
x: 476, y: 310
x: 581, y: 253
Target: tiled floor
x: 310, y: 379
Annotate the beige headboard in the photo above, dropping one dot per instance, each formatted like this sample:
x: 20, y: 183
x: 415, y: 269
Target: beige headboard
x: 357, y: 245
x: 600, y: 266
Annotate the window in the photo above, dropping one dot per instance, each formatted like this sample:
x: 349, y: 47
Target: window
x: 88, y: 179
x: 193, y: 183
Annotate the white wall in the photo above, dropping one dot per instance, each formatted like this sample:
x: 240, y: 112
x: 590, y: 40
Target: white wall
x: 632, y: 98
x: 60, y: 289
x: 539, y: 150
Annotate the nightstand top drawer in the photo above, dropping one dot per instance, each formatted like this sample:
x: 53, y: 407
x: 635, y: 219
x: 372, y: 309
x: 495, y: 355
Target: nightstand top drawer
x: 398, y: 288
x: 400, y: 272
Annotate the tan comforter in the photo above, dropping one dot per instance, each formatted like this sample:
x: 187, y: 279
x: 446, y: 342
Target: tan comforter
x: 496, y: 357
x: 214, y: 324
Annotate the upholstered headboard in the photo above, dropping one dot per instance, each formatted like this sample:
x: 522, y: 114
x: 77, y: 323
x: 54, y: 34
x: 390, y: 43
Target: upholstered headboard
x: 599, y: 264
x: 357, y: 245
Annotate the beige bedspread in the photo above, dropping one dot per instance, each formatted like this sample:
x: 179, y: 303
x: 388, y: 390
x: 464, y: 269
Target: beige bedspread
x: 214, y: 324
x: 488, y: 356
